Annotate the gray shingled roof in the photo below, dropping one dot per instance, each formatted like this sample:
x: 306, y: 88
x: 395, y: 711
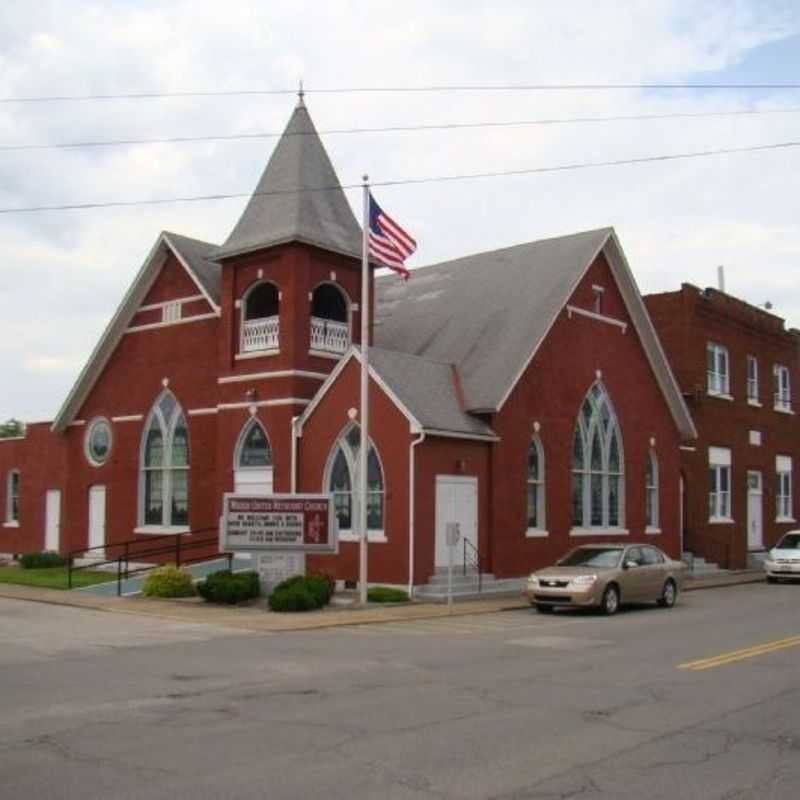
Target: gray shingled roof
x: 196, y: 255
x: 427, y: 388
x: 485, y: 313
x: 277, y: 212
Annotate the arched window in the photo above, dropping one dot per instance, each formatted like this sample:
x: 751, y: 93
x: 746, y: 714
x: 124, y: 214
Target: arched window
x: 12, y: 497
x: 164, y: 476
x: 260, y: 318
x: 597, y: 464
x: 342, y: 481
x: 651, y: 490
x: 253, y: 460
x: 536, y: 518
x: 330, y: 319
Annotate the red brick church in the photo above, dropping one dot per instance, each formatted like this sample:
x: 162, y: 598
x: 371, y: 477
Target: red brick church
x: 522, y: 392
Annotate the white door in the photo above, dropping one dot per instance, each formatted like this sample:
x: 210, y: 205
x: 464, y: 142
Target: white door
x: 52, y: 520
x: 97, y: 519
x: 755, y: 512
x: 456, y: 501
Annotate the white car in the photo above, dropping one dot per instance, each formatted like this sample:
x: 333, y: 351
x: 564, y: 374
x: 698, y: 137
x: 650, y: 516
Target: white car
x: 783, y: 560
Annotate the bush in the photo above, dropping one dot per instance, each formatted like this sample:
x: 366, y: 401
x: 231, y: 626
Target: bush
x: 40, y: 560
x: 168, y: 581
x: 301, y: 593
x: 385, y: 594
x: 327, y: 577
x: 229, y: 587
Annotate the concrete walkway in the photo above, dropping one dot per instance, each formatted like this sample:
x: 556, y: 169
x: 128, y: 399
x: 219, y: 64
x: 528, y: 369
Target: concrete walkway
x: 257, y: 617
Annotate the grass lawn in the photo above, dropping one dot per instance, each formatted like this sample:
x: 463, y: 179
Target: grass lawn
x: 53, y: 577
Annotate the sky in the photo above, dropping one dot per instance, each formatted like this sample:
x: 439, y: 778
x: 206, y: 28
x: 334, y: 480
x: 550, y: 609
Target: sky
x: 63, y: 273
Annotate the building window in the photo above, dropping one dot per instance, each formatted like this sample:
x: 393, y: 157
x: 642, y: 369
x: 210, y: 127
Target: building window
x: 98, y: 442
x: 783, y: 392
x: 597, y: 299
x: 12, y: 497
x: 330, y: 319
x: 752, y: 380
x: 783, y: 495
x: 651, y: 491
x: 342, y: 482
x: 254, y: 450
x: 260, y: 318
x: 164, y: 476
x: 717, y: 369
x: 719, y: 477
x: 597, y: 464
x: 536, y: 519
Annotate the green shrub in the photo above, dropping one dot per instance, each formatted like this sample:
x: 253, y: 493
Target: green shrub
x: 301, y: 593
x: 385, y: 594
x: 228, y: 587
x: 327, y: 577
x: 41, y: 560
x: 168, y: 581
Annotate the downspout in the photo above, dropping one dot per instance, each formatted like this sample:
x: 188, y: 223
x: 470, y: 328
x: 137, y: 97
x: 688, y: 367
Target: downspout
x: 413, y: 444
x: 295, y: 436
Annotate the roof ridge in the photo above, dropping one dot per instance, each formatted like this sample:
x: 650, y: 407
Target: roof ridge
x: 188, y: 238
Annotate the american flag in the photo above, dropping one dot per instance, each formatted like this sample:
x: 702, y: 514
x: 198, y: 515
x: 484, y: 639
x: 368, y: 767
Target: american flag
x: 389, y: 244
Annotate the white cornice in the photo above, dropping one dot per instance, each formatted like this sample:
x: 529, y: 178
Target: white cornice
x: 278, y: 373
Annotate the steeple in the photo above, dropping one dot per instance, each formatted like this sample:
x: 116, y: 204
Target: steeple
x: 284, y: 206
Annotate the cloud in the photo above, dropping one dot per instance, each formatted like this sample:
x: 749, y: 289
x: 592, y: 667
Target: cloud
x: 64, y: 273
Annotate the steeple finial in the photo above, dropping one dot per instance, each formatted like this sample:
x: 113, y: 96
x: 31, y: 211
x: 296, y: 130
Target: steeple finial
x: 300, y: 95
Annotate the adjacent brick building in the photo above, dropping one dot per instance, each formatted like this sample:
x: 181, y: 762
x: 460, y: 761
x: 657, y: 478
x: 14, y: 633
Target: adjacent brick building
x: 521, y: 392
x: 737, y: 366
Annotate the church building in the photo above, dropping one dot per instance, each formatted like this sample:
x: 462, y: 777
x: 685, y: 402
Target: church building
x: 521, y: 392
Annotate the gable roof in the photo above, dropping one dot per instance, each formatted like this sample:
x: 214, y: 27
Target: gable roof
x: 489, y: 313
x: 190, y: 253
x: 424, y: 391
x: 287, y: 204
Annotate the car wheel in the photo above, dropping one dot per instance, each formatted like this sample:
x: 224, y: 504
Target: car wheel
x: 611, y: 600
x: 669, y: 594
x: 771, y: 579
x: 543, y: 609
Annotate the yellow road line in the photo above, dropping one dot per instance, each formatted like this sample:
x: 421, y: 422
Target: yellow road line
x: 740, y: 655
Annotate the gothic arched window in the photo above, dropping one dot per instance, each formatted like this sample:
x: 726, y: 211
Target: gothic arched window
x: 597, y: 464
x: 164, y: 466
x: 536, y: 496
x: 342, y: 482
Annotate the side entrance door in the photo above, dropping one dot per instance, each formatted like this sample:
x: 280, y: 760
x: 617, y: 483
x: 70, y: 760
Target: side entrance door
x: 52, y: 520
x: 755, y: 511
x: 456, y: 501
x: 97, y: 519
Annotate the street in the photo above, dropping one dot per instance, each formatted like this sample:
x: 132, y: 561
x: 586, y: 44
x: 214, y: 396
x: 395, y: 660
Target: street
x: 702, y: 701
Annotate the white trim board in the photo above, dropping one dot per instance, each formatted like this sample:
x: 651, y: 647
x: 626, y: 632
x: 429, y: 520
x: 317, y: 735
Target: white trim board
x: 278, y: 373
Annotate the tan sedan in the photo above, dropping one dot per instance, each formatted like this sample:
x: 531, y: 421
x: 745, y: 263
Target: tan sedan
x: 605, y: 576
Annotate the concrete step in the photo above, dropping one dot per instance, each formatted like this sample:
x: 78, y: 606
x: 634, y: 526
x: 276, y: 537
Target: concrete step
x: 755, y: 559
x: 436, y: 589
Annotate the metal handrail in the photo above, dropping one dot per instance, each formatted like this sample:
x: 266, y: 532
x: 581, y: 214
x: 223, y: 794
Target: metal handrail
x: 176, y: 547
x: 472, y: 555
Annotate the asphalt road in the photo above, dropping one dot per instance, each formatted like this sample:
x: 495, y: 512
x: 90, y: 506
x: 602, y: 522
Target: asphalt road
x: 510, y: 705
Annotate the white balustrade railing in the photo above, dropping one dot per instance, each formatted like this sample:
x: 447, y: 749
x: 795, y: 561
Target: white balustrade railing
x: 329, y: 336
x: 260, y: 334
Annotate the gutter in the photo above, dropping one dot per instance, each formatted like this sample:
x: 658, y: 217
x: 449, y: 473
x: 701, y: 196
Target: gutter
x: 295, y: 436
x: 411, y: 505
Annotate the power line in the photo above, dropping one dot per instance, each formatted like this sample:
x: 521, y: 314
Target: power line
x: 409, y: 181
x: 528, y: 87
x: 396, y: 129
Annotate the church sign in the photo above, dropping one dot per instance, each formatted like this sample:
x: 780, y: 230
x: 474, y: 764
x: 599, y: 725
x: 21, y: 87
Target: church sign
x: 303, y: 523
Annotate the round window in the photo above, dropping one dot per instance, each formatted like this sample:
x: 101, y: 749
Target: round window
x: 98, y: 441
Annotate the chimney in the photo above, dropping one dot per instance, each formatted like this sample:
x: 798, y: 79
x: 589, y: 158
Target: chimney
x: 721, y: 278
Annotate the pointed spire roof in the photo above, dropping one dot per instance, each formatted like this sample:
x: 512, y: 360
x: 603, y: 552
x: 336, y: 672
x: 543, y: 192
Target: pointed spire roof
x: 283, y: 210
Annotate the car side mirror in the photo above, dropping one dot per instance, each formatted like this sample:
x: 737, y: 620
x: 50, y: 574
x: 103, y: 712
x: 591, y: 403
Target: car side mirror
x: 629, y: 565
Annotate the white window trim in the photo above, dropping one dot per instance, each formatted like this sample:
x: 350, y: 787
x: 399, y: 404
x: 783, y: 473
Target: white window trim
x: 722, y: 378
x: 237, y: 451
x: 654, y: 524
x: 599, y: 532
x: 168, y: 433
x: 242, y: 307
x: 349, y: 534
x: 87, y: 447
x: 783, y: 468
x: 12, y: 520
x: 540, y: 530
x: 782, y: 394
x: 752, y: 382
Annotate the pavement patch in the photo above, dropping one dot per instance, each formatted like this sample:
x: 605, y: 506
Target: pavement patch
x: 560, y: 642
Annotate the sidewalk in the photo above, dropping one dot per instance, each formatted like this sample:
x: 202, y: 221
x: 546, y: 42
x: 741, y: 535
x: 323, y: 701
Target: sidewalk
x: 256, y: 618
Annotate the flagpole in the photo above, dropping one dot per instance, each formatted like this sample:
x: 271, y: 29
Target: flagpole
x: 364, y: 403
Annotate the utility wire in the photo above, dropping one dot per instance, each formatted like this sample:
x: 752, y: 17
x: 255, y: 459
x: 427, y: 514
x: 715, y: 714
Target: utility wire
x: 408, y: 181
x: 396, y: 129
x: 526, y: 87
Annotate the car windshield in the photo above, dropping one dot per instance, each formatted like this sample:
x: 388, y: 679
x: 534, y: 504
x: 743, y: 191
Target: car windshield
x: 592, y: 557
x: 789, y: 542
